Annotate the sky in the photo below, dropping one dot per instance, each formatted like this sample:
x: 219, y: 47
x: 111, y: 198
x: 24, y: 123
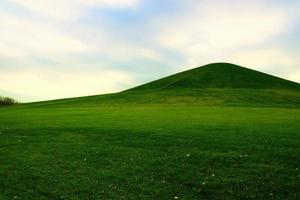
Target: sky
x: 53, y: 49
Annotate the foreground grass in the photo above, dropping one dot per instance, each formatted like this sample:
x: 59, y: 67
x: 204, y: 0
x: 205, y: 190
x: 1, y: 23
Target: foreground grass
x: 149, y: 152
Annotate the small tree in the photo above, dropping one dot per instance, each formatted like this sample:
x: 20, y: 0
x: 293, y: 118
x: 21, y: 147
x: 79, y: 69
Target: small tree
x: 5, y: 101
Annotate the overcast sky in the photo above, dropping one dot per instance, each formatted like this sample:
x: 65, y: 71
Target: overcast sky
x: 63, y: 48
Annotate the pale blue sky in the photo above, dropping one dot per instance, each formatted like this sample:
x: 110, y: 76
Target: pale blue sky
x: 63, y: 48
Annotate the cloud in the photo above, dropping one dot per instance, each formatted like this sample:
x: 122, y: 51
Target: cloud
x: 210, y: 30
x: 70, y: 9
x: 265, y: 57
x: 37, y: 58
x: 273, y: 60
x: 43, y: 84
x: 31, y: 36
x: 111, y: 3
x: 23, y: 37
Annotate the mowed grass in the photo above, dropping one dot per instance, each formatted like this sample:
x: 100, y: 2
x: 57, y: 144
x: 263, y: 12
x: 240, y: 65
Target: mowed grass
x: 220, y: 131
x: 149, y: 152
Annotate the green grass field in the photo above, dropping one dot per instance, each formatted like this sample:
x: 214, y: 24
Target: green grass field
x: 166, y: 143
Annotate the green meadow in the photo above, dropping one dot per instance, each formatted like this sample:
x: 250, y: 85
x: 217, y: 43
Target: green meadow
x: 181, y: 137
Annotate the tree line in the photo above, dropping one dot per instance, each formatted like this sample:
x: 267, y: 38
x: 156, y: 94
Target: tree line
x: 5, y: 101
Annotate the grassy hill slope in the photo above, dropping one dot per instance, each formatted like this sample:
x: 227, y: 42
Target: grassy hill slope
x: 219, y: 75
x: 215, y: 84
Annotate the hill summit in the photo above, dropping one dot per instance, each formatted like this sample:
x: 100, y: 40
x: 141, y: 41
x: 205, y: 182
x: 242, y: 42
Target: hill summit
x: 219, y: 75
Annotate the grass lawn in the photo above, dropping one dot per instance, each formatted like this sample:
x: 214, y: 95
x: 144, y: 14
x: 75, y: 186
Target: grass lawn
x: 149, y: 152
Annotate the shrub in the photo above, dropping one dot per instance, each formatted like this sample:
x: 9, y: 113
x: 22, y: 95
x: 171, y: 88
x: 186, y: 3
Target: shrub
x: 5, y: 101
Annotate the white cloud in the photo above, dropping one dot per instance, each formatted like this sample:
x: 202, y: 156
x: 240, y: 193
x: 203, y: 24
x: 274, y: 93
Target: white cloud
x: 111, y: 3
x: 211, y: 30
x: 58, y: 9
x: 36, y: 52
x: 132, y: 51
x: 272, y: 60
x: 265, y: 57
x: 70, y: 9
x: 50, y: 84
x: 22, y: 37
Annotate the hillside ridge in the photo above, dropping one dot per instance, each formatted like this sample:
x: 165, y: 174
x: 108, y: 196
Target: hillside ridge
x: 219, y: 75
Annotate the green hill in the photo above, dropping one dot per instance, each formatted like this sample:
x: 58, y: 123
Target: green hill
x: 213, y: 84
x: 220, y: 75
